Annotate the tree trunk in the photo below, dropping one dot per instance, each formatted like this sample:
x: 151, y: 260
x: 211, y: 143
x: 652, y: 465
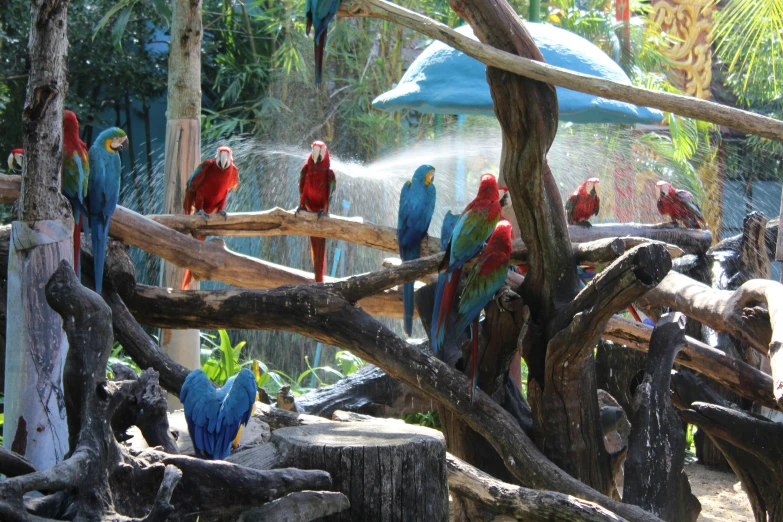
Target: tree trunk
x: 35, y: 424
x: 388, y: 470
x: 183, y: 154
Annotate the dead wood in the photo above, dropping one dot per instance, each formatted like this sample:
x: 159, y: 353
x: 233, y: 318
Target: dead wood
x: 302, y: 506
x: 654, y: 477
x: 751, y: 313
x: 13, y: 464
x: 733, y: 243
x: 750, y: 259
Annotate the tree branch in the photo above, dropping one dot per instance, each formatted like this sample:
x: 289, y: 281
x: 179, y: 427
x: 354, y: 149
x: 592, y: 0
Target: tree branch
x: 494, y: 56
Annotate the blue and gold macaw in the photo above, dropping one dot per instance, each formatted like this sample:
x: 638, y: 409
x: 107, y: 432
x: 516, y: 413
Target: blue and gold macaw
x: 103, y: 192
x: 449, y: 222
x: 417, y: 204
x: 76, y: 175
x: 319, y: 13
x: 215, y: 416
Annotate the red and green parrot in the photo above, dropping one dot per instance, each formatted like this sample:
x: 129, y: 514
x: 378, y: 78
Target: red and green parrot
x: 473, y: 228
x: 583, y: 203
x: 486, y: 277
x: 316, y: 186
x: 103, y: 192
x: 417, y: 204
x: 319, y: 13
x: 208, y: 189
x: 15, y: 161
x: 76, y: 175
x: 679, y: 205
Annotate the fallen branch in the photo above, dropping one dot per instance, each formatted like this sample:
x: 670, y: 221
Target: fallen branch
x: 302, y: 506
x: 690, y: 107
x: 753, y: 313
x: 736, y: 375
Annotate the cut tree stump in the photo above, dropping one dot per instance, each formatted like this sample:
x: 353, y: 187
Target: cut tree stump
x: 388, y: 470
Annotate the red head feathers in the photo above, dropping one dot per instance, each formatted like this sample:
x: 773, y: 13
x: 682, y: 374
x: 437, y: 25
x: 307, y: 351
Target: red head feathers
x: 319, y: 153
x: 15, y: 160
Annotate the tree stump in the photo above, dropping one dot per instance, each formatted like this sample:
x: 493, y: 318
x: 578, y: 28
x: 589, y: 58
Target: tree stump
x: 388, y: 470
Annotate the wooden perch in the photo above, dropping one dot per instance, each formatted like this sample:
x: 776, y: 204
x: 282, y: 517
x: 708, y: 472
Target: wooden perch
x: 735, y: 374
x: 690, y: 107
x: 738, y: 313
x: 654, y: 478
x: 690, y: 240
x: 302, y: 506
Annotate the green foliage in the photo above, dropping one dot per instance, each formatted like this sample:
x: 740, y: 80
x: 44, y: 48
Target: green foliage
x: 118, y: 356
x: 223, y: 360
x: 430, y: 419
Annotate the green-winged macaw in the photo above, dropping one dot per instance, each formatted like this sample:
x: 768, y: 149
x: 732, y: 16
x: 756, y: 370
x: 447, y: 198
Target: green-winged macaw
x: 76, y: 175
x: 417, y: 204
x: 473, y: 228
x: 316, y: 186
x: 583, y: 203
x: 15, y: 161
x: 215, y: 416
x: 103, y: 192
x: 679, y: 205
x: 486, y: 277
x: 319, y: 13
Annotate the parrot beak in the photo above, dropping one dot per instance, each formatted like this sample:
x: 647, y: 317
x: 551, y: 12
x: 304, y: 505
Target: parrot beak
x: 317, y: 154
x: 429, y: 178
x: 505, y: 197
x: 223, y: 160
x: 118, y: 144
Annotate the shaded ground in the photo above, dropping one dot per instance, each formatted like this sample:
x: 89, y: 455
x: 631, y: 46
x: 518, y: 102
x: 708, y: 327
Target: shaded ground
x: 720, y: 494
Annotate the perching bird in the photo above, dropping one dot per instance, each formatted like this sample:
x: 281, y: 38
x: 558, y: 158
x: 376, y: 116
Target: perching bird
x: 15, y: 161
x: 208, y: 189
x: 417, y: 203
x: 316, y: 186
x: 473, y: 228
x: 679, y: 205
x: 583, y: 203
x: 449, y: 222
x: 319, y: 13
x: 103, y: 192
x: 486, y: 277
x: 76, y: 175
x: 215, y: 416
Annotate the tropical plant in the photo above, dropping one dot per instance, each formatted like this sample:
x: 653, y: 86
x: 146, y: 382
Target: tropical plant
x: 118, y: 356
x: 223, y: 359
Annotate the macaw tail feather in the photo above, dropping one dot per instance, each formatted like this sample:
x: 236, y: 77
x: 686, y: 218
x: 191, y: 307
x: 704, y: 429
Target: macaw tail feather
x: 100, y: 237
x: 318, y: 254
x: 473, y: 360
x: 634, y: 314
x: 319, y: 57
x: 444, y: 299
x: 77, y: 245
x: 187, y: 279
x: 407, y: 301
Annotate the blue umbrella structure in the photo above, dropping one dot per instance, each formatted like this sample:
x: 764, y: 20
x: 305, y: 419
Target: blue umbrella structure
x: 443, y: 80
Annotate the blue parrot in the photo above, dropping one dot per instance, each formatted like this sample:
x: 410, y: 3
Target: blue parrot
x: 319, y: 13
x: 214, y: 415
x: 449, y: 222
x: 103, y: 192
x: 417, y: 204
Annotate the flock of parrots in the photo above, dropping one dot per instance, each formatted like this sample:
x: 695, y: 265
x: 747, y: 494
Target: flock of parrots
x: 215, y: 416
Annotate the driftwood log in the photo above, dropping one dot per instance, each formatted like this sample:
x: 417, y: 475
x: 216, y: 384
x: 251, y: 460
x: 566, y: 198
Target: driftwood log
x: 100, y: 480
x: 654, y: 478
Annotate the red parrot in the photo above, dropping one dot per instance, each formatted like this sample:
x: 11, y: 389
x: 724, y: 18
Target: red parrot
x: 679, y: 205
x: 208, y: 189
x: 15, y: 161
x: 583, y: 203
x: 316, y: 186
x: 75, y: 180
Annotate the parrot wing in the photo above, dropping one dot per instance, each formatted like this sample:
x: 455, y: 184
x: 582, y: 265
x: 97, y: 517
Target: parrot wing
x: 686, y: 198
x: 239, y: 396
x: 322, y: 13
x: 471, y: 231
x: 332, y: 186
x: 202, y: 408
x: 403, y: 213
x: 569, y: 206
x: 194, y: 184
x: 484, y: 280
x: 597, y: 203
x: 449, y: 222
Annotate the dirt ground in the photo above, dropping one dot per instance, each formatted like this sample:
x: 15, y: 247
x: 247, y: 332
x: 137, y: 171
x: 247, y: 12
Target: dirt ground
x: 720, y: 494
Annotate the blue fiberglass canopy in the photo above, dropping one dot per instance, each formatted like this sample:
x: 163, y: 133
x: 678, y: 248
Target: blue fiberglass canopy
x: 443, y: 80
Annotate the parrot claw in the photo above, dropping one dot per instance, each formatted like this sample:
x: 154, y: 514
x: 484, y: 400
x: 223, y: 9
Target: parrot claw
x: 223, y: 213
x: 320, y: 214
x: 585, y: 224
x: 203, y: 215
x: 298, y: 209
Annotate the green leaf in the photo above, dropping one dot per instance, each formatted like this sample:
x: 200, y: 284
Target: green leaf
x: 119, y: 28
x: 163, y: 9
x: 122, y: 4
x: 213, y: 370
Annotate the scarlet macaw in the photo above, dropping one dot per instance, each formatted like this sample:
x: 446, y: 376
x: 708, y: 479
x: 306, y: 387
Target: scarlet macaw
x: 583, y: 203
x: 474, y: 227
x: 319, y: 13
x: 208, y: 189
x: 15, y: 161
x: 316, y: 186
x: 417, y: 204
x: 215, y: 416
x: 76, y: 175
x: 486, y: 277
x: 103, y: 192
x: 679, y: 205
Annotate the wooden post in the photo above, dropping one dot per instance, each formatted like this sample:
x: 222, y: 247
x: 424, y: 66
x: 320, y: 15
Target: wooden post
x: 183, y: 153
x: 35, y: 425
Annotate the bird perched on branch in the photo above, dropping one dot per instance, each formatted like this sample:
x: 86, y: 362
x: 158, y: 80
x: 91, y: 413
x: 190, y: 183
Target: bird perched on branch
x: 215, y: 416
x: 417, y: 204
x: 208, y: 189
x: 319, y: 13
x: 103, y: 192
x: 15, y: 161
x: 316, y: 186
x: 76, y: 175
x: 486, y: 277
x: 679, y: 205
x: 473, y: 228
x: 583, y: 203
